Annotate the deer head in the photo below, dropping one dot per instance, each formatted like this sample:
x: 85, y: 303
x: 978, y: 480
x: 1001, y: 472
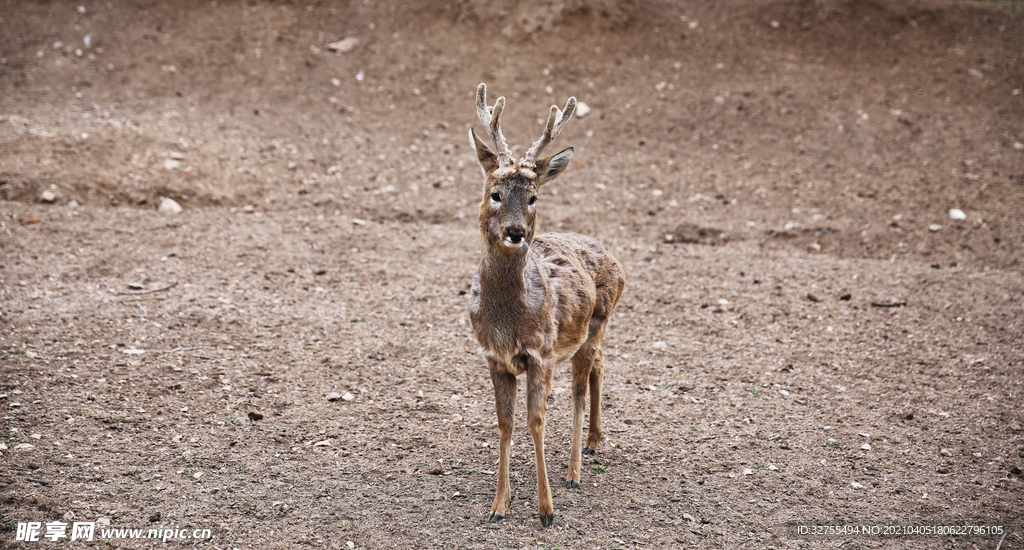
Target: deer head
x: 508, y: 215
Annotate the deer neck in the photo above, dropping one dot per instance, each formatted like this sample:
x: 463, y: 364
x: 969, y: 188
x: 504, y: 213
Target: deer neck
x: 505, y: 277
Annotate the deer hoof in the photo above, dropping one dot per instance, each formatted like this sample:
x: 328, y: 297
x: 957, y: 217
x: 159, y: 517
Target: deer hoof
x: 495, y: 517
x: 588, y: 451
x: 547, y: 519
x: 572, y: 484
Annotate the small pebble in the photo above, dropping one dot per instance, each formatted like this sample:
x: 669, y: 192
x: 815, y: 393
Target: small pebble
x: 945, y: 452
x: 957, y: 214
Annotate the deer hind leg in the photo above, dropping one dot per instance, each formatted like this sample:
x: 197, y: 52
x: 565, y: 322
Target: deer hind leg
x: 505, y: 404
x: 538, y: 384
x: 582, y: 365
x: 594, y: 431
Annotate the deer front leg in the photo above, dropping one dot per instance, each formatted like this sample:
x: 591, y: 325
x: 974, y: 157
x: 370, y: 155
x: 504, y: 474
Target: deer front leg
x: 538, y: 384
x: 582, y: 364
x: 505, y: 404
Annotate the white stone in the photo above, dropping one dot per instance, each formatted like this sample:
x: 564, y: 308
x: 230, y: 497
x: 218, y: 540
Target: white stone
x: 343, y: 45
x: 582, y: 109
x: 170, y: 206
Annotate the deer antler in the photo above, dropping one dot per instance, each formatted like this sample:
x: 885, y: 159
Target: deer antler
x: 556, y: 119
x: 490, y: 116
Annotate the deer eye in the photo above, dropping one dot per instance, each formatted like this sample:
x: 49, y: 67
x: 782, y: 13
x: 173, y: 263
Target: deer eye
x: 532, y: 200
x: 495, y: 197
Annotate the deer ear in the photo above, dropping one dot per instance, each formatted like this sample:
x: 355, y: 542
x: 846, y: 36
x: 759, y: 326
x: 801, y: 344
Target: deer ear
x: 549, y: 168
x: 488, y: 160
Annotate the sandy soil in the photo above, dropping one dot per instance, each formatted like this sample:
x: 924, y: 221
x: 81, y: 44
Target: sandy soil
x: 806, y: 336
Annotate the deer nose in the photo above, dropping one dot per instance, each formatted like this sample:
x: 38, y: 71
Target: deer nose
x: 515, y: 235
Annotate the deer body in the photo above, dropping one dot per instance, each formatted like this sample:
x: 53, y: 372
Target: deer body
x: 537, y: 301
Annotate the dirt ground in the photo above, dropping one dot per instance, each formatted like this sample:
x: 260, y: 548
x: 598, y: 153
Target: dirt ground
x: 807, y: 336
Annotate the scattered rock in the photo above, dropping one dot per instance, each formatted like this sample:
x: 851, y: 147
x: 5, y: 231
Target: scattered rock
x: 866, y: 447
x: 957, y: 214
x: 47, y: 197
x: 102, y: 522
x: 324, y: 443
x: 582, y: 109
x: 945, y: 452
x: 132, y: 351
x: 772, y: 467
x: 748, y: 472
x: 935, y: 227
x: 856, y: 485
x: 169, y: 206
x: 889, y: 303
x: 348, y: 396
x: 254, y: 416
x: 689, y: 233
x: 812, y: 297
x: 23, y: 446
x: 685, y: 387
x: 343, y: 45
x: 660, y: 346
x: 689, y: 518
x: 333, y: 396
x: 846, y: 297
x: 172, y: 164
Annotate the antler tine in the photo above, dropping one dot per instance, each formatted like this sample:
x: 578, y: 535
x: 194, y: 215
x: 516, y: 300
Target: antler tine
x: 556, y: 119
x: 491, y: 117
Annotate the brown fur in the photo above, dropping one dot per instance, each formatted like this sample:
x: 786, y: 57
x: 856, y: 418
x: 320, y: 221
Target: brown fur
x: 534, y: 304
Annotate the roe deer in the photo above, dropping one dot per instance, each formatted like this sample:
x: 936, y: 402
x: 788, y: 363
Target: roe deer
x: 537, y: 301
